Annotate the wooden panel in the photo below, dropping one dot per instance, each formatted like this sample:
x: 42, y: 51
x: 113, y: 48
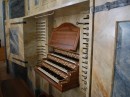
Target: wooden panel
x: 66, y: 36
x: 2, y: 54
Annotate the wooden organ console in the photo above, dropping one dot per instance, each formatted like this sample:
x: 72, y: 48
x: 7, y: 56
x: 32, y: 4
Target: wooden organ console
x: 61, y: 67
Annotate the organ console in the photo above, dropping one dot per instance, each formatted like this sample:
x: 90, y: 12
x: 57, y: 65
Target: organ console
x: 61, y: 67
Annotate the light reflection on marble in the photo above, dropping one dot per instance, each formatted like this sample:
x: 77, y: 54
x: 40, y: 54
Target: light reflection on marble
x: 122, y: 66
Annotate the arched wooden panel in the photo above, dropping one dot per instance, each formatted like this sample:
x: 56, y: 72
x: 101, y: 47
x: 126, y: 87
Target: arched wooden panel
x: 66, y: 37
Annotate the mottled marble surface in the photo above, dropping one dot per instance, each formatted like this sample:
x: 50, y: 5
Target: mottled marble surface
x: 104, y: 49
x: 1, y: 24
x: 16, y: 8
x: 21, y: 42
x: 30, y: 43
x: 122, y: 66
x: 14, y: 41
x: 75, y: 92
x: 71, y: 93
x: 16, y: 44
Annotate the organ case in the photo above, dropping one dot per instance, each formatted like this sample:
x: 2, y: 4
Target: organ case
x: 61, y: 67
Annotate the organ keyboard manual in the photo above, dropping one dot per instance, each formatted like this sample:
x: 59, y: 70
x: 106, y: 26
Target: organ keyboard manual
x: 61, y: 67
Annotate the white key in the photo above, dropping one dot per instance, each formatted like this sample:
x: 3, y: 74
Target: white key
x: 62, y: 69
x: 67, y: 59
x: 49, y: 75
